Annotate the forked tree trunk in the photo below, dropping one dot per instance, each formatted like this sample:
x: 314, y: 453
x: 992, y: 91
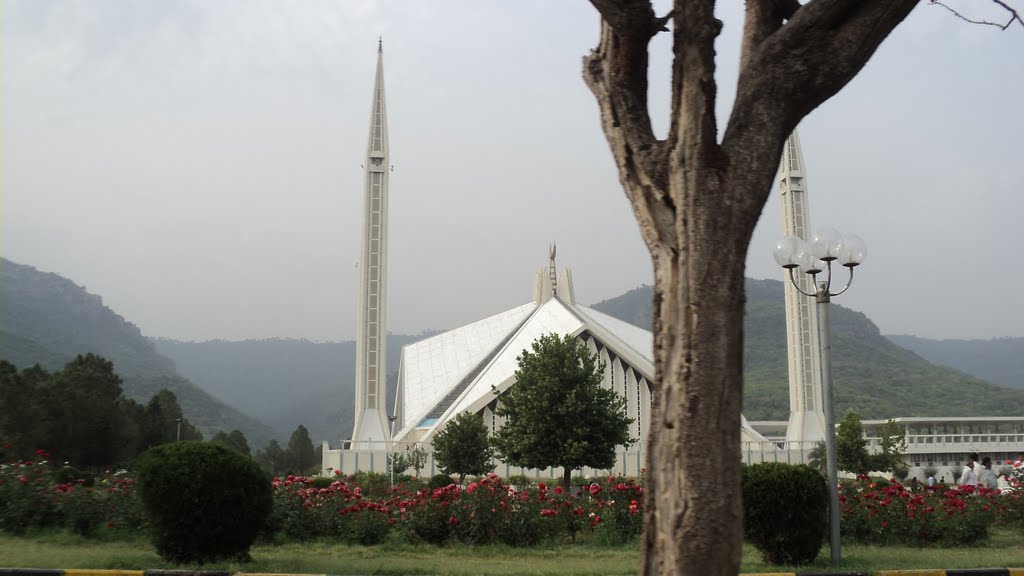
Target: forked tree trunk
x: 697, y: 201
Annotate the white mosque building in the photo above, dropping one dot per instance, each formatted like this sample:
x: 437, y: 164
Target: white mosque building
x: 458, y: 371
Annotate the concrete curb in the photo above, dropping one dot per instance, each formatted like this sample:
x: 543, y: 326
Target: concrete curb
x: 955, y: 572
x: 806, y: 574
x: 48, y: 572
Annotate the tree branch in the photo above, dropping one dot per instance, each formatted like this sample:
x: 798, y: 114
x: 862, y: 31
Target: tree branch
x: 795, y: 69
x: 762, y: 19
x: 694, y: 127
x: 616, y: 72
x: 1013, y: 15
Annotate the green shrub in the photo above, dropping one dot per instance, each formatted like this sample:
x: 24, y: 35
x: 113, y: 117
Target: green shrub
x: 205, y: 502
x: 321, y: 482
x: 374, y: 484
x: 521, y: 481
x: 83, y: 510
x: 431, y: 520
x: 439, y: 481
x: 69, y: 475
x: 367, y: 527
x: 27, y: 499
x: 785, y: 511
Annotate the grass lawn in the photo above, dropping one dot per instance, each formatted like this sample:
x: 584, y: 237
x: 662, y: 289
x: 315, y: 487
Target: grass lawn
x: 60, y: 550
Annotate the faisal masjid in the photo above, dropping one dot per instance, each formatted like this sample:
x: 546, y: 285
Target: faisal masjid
x: 457, y: 371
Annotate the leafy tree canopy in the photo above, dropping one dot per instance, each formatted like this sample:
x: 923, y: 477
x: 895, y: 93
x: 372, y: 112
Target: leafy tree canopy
x: 462, y: 447
x: 300, y: 454
x: 80, y: 415
x: 557, y: 412
x: 851, y: 447
x: 234, y: 440
x: 272, y: 458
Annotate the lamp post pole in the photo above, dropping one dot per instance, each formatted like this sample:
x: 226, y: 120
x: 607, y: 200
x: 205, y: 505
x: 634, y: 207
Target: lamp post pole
x: 828, y: 407
x: 815, y: 258
x: 391, y: 446
x: 177, y: 438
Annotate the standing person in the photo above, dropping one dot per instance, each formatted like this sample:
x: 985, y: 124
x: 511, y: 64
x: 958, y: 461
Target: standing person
x: 986, y: 476
x: 969, y: 476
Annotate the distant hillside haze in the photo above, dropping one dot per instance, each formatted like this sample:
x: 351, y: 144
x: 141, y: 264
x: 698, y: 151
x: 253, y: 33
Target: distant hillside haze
x: 284, y: 382
x: 47, y: 319
x: 999, y: 360
x: 872, y: 375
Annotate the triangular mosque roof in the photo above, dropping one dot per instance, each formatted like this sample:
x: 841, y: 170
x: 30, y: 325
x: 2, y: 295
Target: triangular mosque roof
x: 458, y: 370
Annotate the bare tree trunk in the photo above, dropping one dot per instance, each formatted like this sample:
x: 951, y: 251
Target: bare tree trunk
x: 692, y: 514
x: 697, y: 202
x: 566, y: 479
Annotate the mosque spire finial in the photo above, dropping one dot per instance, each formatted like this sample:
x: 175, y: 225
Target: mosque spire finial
x: 552, y: 271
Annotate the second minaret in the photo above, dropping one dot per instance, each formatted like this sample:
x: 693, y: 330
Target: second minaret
x: 806, y: 412
x: 371, y: 332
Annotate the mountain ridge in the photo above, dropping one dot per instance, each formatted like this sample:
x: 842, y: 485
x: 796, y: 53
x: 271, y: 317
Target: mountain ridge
x: 47, y: 319
x: 872, y: 375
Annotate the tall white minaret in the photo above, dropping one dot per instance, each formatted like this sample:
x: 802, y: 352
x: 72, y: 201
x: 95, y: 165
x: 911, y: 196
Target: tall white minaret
x: 371, y: 333
x: 806, y: 413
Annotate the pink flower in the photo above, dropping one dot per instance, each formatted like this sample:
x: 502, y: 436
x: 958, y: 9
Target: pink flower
x: 453, y: 521
x: 472, y: 487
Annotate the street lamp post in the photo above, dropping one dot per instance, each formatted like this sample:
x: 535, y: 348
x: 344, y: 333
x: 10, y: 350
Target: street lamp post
x: 815, y: 258
x: 391, y: 446
x: 177, y: 438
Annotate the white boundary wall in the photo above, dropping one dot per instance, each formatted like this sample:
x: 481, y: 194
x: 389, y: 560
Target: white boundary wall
x: 628, y: 463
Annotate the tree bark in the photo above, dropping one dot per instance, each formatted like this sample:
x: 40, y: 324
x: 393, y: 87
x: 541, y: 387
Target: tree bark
x: 697, y: 202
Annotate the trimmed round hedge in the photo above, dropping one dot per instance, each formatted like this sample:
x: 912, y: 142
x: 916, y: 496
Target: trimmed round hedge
x: 785, y: 511
x: 205, y: 502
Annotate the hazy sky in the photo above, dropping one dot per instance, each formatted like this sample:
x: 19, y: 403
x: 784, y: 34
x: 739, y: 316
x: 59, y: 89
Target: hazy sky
x: 197, y: 163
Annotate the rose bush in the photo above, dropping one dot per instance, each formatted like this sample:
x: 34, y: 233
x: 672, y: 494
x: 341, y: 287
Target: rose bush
x: 889, y: 513
x: 608, y: 511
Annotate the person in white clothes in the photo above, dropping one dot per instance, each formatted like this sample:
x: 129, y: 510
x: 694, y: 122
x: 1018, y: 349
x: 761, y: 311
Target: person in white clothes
x: 969, y: 476
x: 987, y: 477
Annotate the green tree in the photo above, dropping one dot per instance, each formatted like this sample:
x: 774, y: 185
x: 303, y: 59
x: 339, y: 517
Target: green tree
x: 557, y: 412
x: 818, y: 457
x: 300, y: 455
x: 272, y: 458
x: 19, y: 412
x: 415, y: 457
x: 159, y: 421
x: 85, y: 417
x: 462, y: 447
x: 234, y: 440
x: 851, y: 447
x: 398, y: 462
x: 894, y: 446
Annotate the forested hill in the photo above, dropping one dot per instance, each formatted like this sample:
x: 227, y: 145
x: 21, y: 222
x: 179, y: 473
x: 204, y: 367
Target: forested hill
x: 999, y: 360
x: 47, y: 319
x: 284, y: 382
x: 872, y: 375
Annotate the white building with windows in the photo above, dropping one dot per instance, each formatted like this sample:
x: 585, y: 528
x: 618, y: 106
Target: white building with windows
x: 934, y: 444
